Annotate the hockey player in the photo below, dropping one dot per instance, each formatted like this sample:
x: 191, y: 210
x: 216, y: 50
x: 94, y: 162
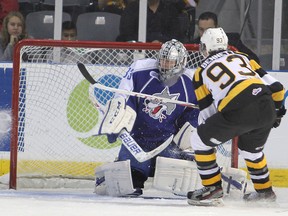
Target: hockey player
x: 237, y: 98
x: 151, y: 122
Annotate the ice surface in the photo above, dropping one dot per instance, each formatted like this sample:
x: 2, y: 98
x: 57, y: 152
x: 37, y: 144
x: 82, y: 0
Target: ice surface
x: 86, y: 203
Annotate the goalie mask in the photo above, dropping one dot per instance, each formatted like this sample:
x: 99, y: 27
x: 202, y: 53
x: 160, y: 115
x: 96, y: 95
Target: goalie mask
x: 172, y: 59
x: 213, y: 40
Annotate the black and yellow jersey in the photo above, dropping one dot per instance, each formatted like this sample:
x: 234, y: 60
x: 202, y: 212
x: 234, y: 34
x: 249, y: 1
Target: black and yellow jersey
x: 275, y: 86
x: 229, y: 80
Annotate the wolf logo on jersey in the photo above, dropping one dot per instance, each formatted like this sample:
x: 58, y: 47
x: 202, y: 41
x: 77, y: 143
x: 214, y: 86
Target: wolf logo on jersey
x: 156, y: 108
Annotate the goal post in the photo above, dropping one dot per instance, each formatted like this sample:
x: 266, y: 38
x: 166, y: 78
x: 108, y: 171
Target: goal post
x: 53, y: 107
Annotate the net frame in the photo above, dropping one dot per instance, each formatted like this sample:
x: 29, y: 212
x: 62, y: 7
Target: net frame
x: 83, y: 44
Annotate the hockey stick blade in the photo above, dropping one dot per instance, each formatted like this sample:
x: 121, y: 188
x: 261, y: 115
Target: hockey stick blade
x: 85, y: 73
x: 90, y: 79
x: 137, y: 151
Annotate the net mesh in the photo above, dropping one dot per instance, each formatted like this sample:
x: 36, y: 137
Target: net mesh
x: 56, y: 116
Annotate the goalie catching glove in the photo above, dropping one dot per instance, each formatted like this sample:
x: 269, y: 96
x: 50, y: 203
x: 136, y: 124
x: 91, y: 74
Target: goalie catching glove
x: 117, y: 117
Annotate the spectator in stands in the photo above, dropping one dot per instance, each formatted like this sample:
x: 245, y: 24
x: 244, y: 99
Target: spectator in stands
x: 111, y: 6
x: 69, y: 31
x: 162, y: 21
x: 69, y: 55
x: 5, y: 7
x: 13, y: 30
x: 188, y: 18
x: 209, y: 20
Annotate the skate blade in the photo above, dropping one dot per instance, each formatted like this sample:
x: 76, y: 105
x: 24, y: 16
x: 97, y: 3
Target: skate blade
x: 207, y: 202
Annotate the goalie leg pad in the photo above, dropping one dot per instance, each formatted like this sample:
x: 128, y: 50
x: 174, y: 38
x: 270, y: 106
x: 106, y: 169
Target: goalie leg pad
x: 176, y: 176
x: 114, y: 179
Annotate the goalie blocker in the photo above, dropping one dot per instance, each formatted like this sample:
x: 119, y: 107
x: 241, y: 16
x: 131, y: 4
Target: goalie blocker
x: 171, y: 175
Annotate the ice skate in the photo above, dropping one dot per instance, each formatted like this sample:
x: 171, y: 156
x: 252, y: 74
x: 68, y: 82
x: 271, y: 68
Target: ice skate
x: 206, y: 196
x: 265, y: 196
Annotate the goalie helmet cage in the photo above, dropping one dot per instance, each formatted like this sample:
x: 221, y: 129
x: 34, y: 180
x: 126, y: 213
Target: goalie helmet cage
x: 53, y: 108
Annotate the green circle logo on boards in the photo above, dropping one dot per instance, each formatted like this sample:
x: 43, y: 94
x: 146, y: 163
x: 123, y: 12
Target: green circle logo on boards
x: 82, y: 114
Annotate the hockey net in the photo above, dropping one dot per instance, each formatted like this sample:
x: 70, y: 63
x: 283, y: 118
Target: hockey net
x: 54, y: 118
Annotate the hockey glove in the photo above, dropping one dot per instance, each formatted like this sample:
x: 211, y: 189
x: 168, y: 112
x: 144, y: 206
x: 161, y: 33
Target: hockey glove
x: 117, y: 117
x: 280, y: 113
x: 182, y: 138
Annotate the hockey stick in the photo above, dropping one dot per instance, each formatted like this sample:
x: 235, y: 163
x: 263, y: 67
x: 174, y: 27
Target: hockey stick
x: 133, y: 147
x: 137, y: 151
x: 90, y: 79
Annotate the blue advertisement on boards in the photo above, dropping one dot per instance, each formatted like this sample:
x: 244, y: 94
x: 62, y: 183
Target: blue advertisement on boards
x: 5, y: 107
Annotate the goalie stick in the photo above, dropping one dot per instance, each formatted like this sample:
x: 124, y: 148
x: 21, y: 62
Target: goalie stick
x: 133, y: 147
x: 137, y: 151
x: 90, y: 79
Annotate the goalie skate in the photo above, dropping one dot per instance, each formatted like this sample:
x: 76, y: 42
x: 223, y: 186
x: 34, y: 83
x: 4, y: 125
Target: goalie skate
x: 206, y: 196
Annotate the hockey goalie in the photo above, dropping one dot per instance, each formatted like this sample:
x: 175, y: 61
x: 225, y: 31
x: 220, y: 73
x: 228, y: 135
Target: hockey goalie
x: 144, y: 125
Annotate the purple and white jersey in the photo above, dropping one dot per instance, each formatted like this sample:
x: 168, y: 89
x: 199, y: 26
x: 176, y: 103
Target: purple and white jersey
x: 156, y: 121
